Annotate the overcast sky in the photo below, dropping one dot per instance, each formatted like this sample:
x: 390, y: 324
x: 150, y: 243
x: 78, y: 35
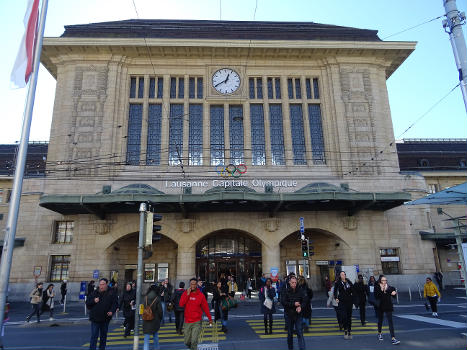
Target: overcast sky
x: 422, y: 80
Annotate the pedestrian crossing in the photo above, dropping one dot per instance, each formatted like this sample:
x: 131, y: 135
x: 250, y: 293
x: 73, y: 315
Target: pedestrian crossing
x: 320, y: 326
x: 167, y: 334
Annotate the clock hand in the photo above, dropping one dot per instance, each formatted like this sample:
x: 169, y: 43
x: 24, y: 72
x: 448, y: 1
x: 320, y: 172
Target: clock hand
x: 222, y: 82
x: 225, y: 81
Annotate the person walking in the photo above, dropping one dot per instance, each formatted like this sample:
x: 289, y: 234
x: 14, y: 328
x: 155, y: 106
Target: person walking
x: 332, y: 301
x: 268, y: 307
x: 431, y: 292
x: 370, y: 293
x: 344, y: 298
x: 102, y: 304
x: 306, y: 312
x: 232, y: 286
x: 249, y: 287
x: 383, y: 294
x: 195, y: 304
x: 63, y: 291
x: 36, y: 299
x: 327, y: 283
x: 127, y: 305
x: 220, y: 293
x: 176, y: 296
x: 294, y: 300
x: 165, y: 297
x: 91, y: 288
x: 282, y: 290
x: 151, y: 327
x: 360, y: 298
x: 48, y: 301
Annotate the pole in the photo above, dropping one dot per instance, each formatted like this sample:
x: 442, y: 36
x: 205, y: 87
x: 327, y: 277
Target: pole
x: 452, y: 26
x: 139, y: 279
x: 10, y: 230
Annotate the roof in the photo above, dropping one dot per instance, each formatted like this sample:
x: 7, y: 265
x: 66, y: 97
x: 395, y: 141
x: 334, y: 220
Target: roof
x: 223, y: 200
x: 35, y: 161
x: 195, y: 29
x: 455, y: 195
x: 432, y: 154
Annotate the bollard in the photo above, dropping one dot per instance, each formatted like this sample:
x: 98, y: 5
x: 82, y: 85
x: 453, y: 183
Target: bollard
x: 397, y: 296
x: 410, y: 294
x: 419, y: 292
x: 85, y: 308
x: 64, y: 304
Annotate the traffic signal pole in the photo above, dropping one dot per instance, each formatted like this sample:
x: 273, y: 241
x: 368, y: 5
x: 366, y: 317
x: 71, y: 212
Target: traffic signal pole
x: 139, y: 279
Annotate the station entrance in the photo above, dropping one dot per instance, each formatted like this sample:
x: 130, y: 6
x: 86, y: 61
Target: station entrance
x: 231, y: 253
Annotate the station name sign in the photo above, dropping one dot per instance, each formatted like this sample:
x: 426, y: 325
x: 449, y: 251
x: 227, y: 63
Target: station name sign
x: 232, y: 183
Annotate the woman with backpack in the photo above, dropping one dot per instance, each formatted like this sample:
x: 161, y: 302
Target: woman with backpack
x: 179, y: 310
x: 48, y: 301
x: 220, y: 293
x: 152, y: 316
x: 266, y: 300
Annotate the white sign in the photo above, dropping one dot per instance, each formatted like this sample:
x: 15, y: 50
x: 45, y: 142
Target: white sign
x: 322, y: 262
x: 389, y: 258
x: 232, y: 183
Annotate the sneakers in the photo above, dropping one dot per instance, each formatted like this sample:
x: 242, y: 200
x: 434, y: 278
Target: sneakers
x: 51, y: 319
x: 349, y: 336
x: 380, y: 337
x: 346, y: 335
x: 212, y: 310
x: 395, y: 341
x: 435, y: 314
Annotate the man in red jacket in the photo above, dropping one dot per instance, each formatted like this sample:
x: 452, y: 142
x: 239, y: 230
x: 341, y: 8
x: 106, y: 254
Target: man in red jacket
x: 195, y: 303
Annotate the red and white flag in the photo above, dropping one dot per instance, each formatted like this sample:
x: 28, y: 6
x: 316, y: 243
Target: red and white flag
x: 25, y: 59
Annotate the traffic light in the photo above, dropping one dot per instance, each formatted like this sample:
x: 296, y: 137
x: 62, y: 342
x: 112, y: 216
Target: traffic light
x: 305, y: 248
x: 152, y: 228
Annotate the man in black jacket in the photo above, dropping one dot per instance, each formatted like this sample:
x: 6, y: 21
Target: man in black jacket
x: 294, y: 300
x: 102, y: 304
x: 360, y: 298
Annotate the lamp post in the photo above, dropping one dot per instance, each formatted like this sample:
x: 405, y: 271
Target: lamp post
x: 458, y: 238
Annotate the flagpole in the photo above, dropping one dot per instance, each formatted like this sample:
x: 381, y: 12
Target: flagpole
x: 10, y: 231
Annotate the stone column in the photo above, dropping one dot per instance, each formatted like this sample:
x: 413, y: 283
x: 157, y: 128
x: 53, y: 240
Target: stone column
x: 270, y: 255
x: 186, y: 262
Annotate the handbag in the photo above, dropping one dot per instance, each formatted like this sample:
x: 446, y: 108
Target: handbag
x: 228, y: 303
x: 268, y: 303
x: 170, y: 306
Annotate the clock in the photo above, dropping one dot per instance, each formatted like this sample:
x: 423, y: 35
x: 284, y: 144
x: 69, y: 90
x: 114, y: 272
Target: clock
x: 226, y: 81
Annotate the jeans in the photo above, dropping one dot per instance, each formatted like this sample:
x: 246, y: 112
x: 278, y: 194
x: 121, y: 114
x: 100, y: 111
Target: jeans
x: 96, y: 328
x: 296, y: 324
x: 345, y: 310
x: 36, y: 310
x: 433, y: 303
x: 179, y: 320
x: 380, y: 321
x: 155, y: 341
x: 164, y: 309
x: 192, y: 332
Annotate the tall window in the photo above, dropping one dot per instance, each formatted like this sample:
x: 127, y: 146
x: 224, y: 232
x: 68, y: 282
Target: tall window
x: 153, y: 153
x: 258, y: 151
x: 134, y: 134
x: 236, y: 134
x: 256, y: 88
x: 63, y: 231
x: 156, y: 87
x: 316, y: 131
x: 294, y: 88
x: 175, y: 134
x: 274, y: 88
x: 195, y: 87
x: 298, y: 137
x: 217, y: 134
x: 277, y: 134
x: 177, y: 87
x: 1, y: 195
x: 59, y: 267
x: 195, y: 146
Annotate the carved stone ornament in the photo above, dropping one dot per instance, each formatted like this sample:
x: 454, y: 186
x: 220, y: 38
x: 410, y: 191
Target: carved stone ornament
x: 350, y: 223
x: 271, y: 224
x: 187, y: 225
x: 102, y: 227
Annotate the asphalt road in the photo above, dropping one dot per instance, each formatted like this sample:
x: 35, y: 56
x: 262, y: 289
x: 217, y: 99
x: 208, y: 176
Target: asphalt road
x: 415, y: 328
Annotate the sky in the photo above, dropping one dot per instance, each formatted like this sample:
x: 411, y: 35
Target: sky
x: 415, y: 89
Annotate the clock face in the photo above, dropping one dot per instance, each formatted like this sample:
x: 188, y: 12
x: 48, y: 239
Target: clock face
x: 226, y: 81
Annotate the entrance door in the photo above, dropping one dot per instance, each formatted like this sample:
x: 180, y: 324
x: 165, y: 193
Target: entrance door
x: 227, y: 267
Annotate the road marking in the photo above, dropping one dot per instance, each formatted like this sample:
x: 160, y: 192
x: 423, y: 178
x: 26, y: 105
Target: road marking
x: 438, y: 321
x: 320, y: 326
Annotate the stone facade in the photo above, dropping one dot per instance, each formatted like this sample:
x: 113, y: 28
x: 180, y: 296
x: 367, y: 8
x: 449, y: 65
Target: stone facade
x: 89, y: 150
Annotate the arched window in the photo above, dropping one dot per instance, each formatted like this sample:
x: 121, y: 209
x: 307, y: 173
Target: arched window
x: 424, y: 163
x: 462, y: 163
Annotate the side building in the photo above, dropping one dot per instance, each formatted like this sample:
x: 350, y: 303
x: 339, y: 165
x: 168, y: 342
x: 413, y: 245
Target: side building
x: 233, y: 131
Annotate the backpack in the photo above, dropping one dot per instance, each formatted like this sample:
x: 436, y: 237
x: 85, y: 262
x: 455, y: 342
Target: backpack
x: 147, y: 311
